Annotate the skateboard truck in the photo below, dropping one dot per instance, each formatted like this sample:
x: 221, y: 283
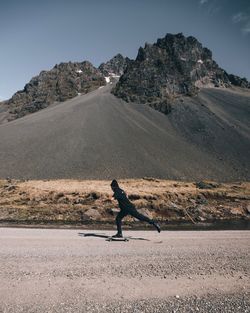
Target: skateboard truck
x: 117, y: 239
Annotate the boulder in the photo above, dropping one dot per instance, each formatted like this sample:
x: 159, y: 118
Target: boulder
x: 206, y: 185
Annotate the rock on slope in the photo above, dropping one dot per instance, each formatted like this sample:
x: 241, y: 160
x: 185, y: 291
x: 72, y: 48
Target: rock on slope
x: 63, y: 82
x: 175, y: 65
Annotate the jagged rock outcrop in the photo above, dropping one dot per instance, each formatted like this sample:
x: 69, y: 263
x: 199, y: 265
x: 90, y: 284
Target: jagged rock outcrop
x: 63, y: 82
x: 238, y: 81
x: 114, y: 66
x: 173, y: 66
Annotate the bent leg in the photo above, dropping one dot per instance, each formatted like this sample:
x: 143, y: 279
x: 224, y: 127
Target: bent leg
x: 118, y: 220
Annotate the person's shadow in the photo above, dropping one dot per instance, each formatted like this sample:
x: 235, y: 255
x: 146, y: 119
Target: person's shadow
x: 107, y: 236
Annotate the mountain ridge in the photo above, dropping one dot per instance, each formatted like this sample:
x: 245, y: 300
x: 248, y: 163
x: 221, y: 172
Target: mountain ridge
x: 62, y: 82
x: 173, y: 66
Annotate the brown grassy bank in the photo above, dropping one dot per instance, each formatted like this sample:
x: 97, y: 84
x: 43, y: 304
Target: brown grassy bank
x: 88, y: 202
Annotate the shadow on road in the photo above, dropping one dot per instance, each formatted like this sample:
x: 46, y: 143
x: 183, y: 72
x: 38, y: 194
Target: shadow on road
x: 106, y: 236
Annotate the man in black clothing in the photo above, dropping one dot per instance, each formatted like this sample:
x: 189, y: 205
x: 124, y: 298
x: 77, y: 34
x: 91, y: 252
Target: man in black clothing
x: 127, y: 208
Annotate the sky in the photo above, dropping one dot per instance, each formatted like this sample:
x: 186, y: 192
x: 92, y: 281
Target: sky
x: 35, y: 35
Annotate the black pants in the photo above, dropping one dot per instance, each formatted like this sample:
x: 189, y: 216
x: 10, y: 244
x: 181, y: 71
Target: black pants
x: 133, y: 212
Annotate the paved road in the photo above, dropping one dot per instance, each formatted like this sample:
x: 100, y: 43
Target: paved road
x: 45, y: 270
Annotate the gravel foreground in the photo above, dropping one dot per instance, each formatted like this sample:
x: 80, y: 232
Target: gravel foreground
x: 50, y: 270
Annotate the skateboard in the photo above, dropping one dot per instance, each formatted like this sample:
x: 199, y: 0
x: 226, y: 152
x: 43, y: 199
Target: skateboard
x: 117, y: 239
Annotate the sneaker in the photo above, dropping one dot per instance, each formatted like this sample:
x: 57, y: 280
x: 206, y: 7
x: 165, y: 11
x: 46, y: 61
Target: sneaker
x: 117, y: 236
x: 157, y: 226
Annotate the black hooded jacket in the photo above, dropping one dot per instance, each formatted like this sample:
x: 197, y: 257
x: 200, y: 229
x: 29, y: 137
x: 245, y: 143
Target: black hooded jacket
x: 122, y: 199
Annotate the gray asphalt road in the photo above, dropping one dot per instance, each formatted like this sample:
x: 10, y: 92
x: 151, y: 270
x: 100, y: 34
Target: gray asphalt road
x: 45, y: 270
x: 97, y: 136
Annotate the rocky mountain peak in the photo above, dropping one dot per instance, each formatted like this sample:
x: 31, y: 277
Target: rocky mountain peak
x: 64, y: 81
x: 173, y: 66
x: 114, y: 66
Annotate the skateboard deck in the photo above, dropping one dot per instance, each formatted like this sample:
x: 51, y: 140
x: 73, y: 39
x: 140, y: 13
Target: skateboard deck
x: 117, y: 239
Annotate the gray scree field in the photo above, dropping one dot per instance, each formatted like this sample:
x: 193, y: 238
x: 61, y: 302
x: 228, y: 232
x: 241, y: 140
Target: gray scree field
x: 98, y: 136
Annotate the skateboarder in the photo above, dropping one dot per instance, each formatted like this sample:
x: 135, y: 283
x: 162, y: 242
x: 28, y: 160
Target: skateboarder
x: 127, y: 208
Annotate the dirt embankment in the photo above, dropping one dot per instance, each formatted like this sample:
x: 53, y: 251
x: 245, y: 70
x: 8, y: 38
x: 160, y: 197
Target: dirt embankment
x: 89, y: 202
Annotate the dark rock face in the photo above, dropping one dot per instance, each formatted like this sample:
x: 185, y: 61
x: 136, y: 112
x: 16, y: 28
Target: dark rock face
x: 239, y: 82
x: 115, y: 66
x: 63, y: 82
x: 175, y: 65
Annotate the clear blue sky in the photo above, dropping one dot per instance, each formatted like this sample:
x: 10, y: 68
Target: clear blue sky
x: 37, y: 34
